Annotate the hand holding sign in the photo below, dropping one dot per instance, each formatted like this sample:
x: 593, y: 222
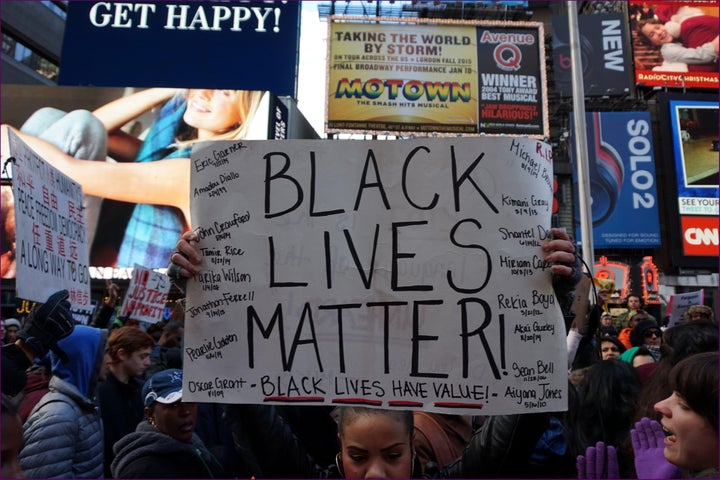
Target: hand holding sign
x: 187, y: 257
x: 559, y: 250
x: 413, y: 273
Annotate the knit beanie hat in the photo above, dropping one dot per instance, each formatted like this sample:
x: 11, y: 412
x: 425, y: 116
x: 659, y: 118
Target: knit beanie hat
x: 636, y: 337
x: 608, y: 331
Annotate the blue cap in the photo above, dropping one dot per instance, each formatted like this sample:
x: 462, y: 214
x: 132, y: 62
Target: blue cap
x: 164, y: 387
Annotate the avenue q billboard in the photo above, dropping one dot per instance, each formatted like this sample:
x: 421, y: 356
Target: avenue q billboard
x: 457, y: 77
x: 235, y: 45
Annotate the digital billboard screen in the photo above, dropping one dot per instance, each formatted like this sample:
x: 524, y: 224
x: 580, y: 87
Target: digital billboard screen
x: 690, y: 135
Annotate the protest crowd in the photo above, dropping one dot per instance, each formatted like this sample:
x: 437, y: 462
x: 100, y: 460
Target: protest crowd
x: 106, y: 400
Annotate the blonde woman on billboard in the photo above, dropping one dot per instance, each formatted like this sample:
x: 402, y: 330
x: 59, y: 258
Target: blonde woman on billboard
x: 163, y: 204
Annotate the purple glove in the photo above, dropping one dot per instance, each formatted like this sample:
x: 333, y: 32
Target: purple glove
x: 647, y: 439
x: 598, y: 462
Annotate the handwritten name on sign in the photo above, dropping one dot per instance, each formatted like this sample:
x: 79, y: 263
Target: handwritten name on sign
x: 387, y: 273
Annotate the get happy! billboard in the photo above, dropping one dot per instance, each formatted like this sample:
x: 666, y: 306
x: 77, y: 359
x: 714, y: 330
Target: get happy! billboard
x: 218, y: 45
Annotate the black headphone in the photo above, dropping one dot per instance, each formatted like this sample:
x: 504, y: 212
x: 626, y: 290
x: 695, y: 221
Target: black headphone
x: 606, y: 172
x: 561, y: 58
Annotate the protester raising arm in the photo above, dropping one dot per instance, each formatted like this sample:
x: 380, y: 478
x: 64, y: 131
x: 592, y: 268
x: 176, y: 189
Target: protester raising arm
x: 117, y: 113
x: 46, y: 324
x: 104, y: 313
x: 114, y: 115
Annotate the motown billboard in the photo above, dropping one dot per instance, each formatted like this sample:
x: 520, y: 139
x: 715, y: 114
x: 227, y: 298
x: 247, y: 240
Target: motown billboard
x: 457, y: 77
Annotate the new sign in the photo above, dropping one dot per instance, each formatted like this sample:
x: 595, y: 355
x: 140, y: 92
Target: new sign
x: 604, y: 54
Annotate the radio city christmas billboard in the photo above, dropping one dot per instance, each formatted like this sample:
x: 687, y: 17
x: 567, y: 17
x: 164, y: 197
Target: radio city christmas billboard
x: 675, y: 43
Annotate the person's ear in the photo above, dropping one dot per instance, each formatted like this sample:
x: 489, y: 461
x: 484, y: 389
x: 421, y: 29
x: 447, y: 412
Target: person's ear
x: 413, y: 458
x: 150, y: 415
x: 339, y: 465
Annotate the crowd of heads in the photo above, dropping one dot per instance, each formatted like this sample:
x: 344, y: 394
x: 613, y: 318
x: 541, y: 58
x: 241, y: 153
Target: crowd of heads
x: 668, y: 375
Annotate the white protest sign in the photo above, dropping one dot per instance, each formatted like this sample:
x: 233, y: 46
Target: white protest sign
x: 680, y: 302
x: 403, y: 274
x: 146, y: 295
x: 50, y: 235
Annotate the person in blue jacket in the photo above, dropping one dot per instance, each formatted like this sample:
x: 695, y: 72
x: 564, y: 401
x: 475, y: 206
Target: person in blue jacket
x: 63, y: 435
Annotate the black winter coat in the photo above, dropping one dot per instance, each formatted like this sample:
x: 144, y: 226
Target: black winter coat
x: 148, y: 453
x: 503, y: 448
x: 121, y: 409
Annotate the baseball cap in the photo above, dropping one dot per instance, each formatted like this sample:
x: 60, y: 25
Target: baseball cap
x: 165, y: 387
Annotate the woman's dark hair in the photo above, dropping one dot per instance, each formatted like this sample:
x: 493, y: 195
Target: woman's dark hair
x: 614, y: 340
x: 603, y: 407
x: 642, y: 352
x: 345, y: 414
x: 695, y: 379
x: 9, y: 405
x: 687, y: 339
x: 679, y: 342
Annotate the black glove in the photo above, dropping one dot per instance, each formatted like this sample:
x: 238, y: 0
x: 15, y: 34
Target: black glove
x: 47, y: 324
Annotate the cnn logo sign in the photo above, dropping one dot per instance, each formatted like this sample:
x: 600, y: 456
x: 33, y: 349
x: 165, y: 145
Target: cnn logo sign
x: 700, y: 236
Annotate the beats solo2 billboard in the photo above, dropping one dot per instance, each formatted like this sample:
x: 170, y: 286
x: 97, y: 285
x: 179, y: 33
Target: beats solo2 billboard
x: 623, y: 192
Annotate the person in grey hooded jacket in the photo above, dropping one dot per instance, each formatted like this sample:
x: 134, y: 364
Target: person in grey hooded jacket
x: 63, y: 435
